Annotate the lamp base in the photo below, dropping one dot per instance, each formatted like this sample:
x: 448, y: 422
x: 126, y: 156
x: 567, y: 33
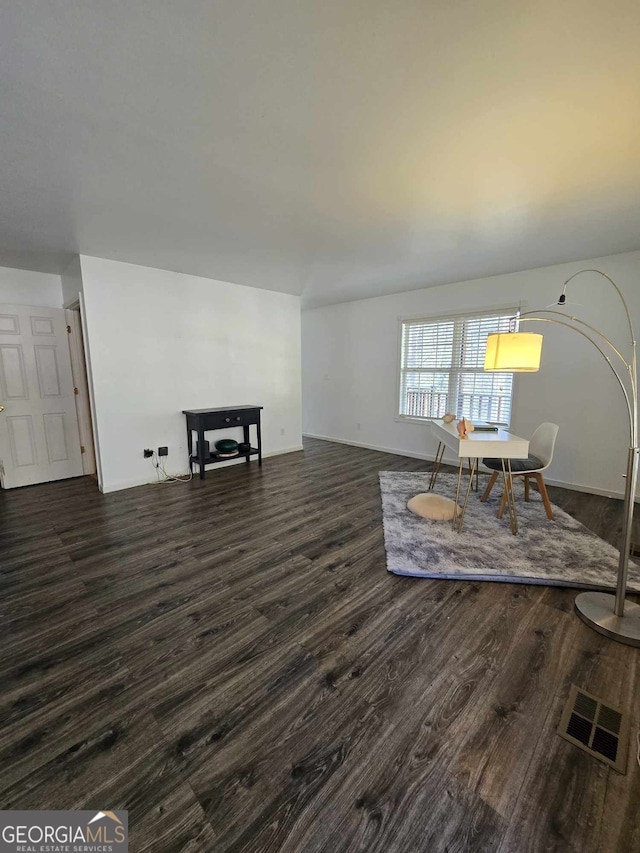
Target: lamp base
x: 597, y: 610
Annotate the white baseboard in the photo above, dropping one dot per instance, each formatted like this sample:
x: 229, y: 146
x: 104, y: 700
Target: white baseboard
x: 451, y: 460
x: 429, y: 457
x: 150, y: 480
x: 294, y: 449
x: 107, y: 488
x: 589, y: 490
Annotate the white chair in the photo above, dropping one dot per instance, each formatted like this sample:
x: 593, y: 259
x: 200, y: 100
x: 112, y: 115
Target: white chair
x: 541, y: 448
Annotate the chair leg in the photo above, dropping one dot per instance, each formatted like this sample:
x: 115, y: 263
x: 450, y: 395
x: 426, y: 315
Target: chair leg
x: 490, y: 485
x: 526, y: 488
x: 545, y: 497
x: 503, y: 501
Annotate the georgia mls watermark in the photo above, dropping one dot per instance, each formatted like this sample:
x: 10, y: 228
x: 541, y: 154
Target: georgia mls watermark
x: 64, y: 832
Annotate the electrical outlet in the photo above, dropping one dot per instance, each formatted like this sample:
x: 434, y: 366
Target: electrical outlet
x: 163, y: 451
x: 147, y: 453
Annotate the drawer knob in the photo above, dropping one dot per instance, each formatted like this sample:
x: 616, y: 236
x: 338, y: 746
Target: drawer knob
x: 237, y: 418
x: 227, y: 420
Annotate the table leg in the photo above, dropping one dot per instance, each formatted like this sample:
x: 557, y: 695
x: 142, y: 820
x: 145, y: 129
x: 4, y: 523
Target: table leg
x: 436, y: 465
x: 245, y: 437
x: 201, y: 452
x: 190, y: 447
x: 471, y: 469
x: 508, y: 490
x: 259, y: 441
x: 460, y: 519
x: 460, y: 466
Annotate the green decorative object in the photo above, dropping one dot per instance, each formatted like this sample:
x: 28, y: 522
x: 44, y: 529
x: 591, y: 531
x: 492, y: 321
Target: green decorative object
x: 227, y: 445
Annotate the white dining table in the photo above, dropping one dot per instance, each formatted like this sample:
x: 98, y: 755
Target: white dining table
x: 498, y: 444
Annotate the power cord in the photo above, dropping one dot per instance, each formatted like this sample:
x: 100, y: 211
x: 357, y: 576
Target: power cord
x: 168, y: 478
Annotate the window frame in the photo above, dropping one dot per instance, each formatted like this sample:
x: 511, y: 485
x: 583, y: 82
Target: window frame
x: 512, y: 308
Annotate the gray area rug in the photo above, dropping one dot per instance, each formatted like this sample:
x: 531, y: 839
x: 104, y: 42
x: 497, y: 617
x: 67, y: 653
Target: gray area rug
x: 561, y: 552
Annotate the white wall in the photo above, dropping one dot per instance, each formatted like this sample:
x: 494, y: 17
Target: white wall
x: 21, y: 287
x: 71, y: 280
x: 160, y: 342
x: 350, y: 365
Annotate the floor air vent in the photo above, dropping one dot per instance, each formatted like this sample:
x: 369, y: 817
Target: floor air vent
x: 596, y: 727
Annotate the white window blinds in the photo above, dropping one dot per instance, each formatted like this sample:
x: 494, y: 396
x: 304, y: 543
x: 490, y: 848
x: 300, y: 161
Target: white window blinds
x: 442, y: 369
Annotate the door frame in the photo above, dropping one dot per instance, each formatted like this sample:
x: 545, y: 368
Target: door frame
x: 81, y: 389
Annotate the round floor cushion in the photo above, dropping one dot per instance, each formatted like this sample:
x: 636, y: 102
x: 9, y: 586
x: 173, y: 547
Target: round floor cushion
x: 434, y: 507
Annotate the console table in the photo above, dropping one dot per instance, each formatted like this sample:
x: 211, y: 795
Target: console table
x: 202, y: 420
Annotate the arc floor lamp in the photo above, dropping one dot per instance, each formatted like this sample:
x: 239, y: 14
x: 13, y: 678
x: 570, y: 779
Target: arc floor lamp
x: 520, y: 352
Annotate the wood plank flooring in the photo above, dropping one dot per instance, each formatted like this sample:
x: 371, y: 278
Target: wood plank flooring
x: 230, y: 661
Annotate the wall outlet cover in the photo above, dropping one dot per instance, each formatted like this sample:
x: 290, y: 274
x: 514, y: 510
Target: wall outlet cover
x: 163, y: 451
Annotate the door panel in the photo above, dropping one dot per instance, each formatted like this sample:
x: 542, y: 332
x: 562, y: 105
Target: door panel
x: 38, y: 428
x: 48, y: 375
x: 22, y: 441
x: 56, y: 434
x: 42, y: 326
x: 9, y: 324
x: 13, y: 373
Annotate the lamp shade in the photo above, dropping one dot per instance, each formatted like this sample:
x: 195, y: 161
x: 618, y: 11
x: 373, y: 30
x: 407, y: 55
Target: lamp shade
x: 513, y: 352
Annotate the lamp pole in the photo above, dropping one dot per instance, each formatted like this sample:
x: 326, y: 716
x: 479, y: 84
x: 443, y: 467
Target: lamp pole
x: 613, y: 616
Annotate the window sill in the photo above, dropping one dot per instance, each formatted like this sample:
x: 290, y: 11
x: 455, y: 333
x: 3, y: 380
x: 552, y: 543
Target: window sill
x: 406, y: 419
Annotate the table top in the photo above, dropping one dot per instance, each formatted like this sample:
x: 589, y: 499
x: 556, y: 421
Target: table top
x: 496, y: 445
x: 219, y: 409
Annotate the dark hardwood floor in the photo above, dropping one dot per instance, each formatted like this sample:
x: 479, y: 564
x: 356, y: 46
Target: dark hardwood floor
x: 230, y: 661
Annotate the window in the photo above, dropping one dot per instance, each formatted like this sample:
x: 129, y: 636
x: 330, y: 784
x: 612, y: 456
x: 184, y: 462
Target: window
x: 442, y: 369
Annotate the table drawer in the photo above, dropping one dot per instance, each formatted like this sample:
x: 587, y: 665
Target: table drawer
x: 241, y: 417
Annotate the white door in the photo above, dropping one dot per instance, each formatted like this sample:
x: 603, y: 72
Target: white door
x: 38, y: 425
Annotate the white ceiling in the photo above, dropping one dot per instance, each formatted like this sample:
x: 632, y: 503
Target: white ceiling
x: 334, y: 148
